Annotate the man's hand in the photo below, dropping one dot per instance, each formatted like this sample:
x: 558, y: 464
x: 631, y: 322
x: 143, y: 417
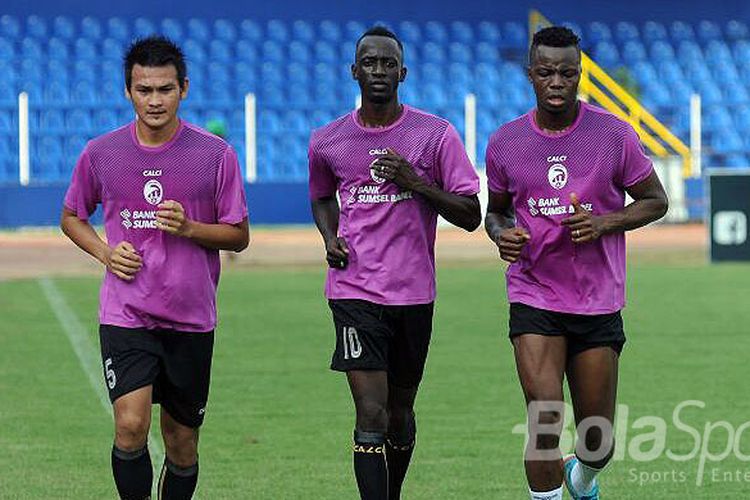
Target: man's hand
x: 171, y: 219
x: 511, y: 241
x: 394, y: 167
x: 583, y: 226
x: 337, y: 253
x: 123, y: 261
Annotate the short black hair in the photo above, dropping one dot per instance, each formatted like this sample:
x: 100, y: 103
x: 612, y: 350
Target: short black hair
x: 379, y: 30
x: 554, y: 36
x: 154, y: 51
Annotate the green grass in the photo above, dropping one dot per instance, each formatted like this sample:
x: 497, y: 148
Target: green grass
x: 279, y: 422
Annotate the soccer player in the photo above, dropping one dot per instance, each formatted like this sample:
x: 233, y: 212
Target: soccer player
x: 172, y: 197
x: 394, y: 168
x: 557, y: 180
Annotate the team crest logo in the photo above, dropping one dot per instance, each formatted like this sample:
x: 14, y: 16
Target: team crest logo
x: 373, y: 175
x: 557, y: 176
x: 153, y: 192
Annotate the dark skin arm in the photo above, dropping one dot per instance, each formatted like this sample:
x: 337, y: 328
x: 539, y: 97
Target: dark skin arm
x: 650, y: 204
x: 461, y: 211
x: 500, y: 225
x: 326, y: 214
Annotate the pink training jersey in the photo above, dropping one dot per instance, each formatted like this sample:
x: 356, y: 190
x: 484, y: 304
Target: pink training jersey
x: 596, y: 158
x: 176, y: 287
x: 390, y: 232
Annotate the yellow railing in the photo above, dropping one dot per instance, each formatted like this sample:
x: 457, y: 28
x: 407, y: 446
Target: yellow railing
x: 597, y: 84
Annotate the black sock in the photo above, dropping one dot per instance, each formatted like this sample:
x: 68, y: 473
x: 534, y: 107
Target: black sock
x: 133, y: 473
x: 398, y: 450
x: 177, y: 483
x: 369, y: 465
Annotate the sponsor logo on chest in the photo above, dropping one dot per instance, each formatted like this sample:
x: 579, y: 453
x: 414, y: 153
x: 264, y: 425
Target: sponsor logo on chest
x: 557, y: 174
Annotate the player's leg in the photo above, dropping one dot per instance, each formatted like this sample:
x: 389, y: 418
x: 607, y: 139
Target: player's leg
x: 182, y: 390
x: 362, y: 338
x: 130, y: 367
x: 369, y: 390
x: 412, y: 326
x: 540, y: 362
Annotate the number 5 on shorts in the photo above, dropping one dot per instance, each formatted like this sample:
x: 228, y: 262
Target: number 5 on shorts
x: 352, y: 346
x: 109, y: 373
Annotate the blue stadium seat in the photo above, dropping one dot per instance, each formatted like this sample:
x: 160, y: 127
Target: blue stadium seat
x: 460, y: 74
x: 329, y: 31
x: 670, y: 71
x: 299, y: 52
x: 717, y: 50
x: 487, y: 53
x: 9, y: 72
x: 198, y: 30
x: 33, y: 70
x: 269, y: 122
x: 85, y: 49
x: 79, y: 121
x: 31, y: 49
x: 277, y: 31
x: 435, y: 32
x: 346, y: 52
x: 514, y: 35
x: 8, y: 94
x: 736, y: 160
x: 91, y: 28
x: 220, y: 95
x: 297, y: 74
x: 224, y: 30
x: 220, y: 51
x: 272, y: 97
x: 661, y: 51
x: 244, y: 72
x: 246, y: 51
x: 741, y: 52
x: 737, y: 30
x: 605, y: 53
x: 353, y: 30
x: 7, y: 126
x: 688, y: 51
x: 320, y: 117
x: 633, y: 51
x: 111, y: 93
x: 105, y: 120
x: 303, y: 31
x: 644, y: 72
x: 654, y: 31
x: 681, y: 31
x: 655, y: 95
x: 409, y: 32
x: 487, y: 74
x: 56, y: 94
x: 575, y: 28
x: 171, y: 28
x: 626, y: 32
x: 300, y: 98
x: 598, y: 32
x: 716, y: 118
x: 273, y: 51
x: 325, y: 96
x: 57, y: 49
x: 118, y: 29
x: 459, y: 52
x: 295, y: 122
x: 9, y: 27
x: 112, y: 48
x: 488, y: 31
x: 272, y: 74
x: 143, y: 27
x: 7, y: 52
x: 461, y: 32
x: 49, y: 155
x: 727, y: 141
x: 74, y: 145
x: 63, y: 27
x: 251, y: 31
x: 194, y: 52
x: 85, y: 93
x: 708, y: 30
x: 36, y: 27
x: 52, y: 121
x: 325, y: 52
x: 326, y: 75
x: 432, y: 72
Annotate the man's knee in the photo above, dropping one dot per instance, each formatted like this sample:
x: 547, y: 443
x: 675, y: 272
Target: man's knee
x: 372, y: 415
x: 402, y: 426
x: 181, y: 445
x: 131, y: 431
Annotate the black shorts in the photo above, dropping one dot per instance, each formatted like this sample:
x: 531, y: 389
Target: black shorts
x: 582, y: 331
x: 371, y: 336
x: 176, y: 364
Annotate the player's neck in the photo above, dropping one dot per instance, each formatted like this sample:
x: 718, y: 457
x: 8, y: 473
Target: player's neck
x: 557, y: 122
x: 379, y: 115
x: 154, y: 137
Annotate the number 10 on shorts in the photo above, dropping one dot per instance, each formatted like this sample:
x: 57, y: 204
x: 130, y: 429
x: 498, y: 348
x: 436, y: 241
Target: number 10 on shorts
x: 352, y: 346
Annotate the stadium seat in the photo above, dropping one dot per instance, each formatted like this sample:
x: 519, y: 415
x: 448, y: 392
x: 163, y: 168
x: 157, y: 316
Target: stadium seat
x: 118, y: 29
x: 31, y: 49
x: 329, y: 31
x: 194, y: 52
x: 605, y: 54
x: 633, y: 52
x: 689, y: 51
x: 487, y: 53
x: 272, y: 74
x: 8, y: 94
x: 708, y: 30
x: 269, y: 122
x: 514, y: 35
x: 246, y: 51
x: 9, y: 27
x: 273, y: 51
x: 220, y: 51
x: 654, y: 31
x: 272, y: 97
x: 459, y: 52
x: 661, y: 51
x: 85, y: 49
x: 737, y: 30
x: 435, y: 32
x: 277, y: 31
x: 575, y: 28
x: 303, y: 31
x: 7, y: 52
x: 57, y: 49
x: 353, y: 30
x: 299, y: 52
x: 225, y: 30
x: 33, y: 70
x: 488, y: 31
x: 251, y: 31
x: 52, y: 121
x: 74, y: 145
x: 727, y: 141
x: 56, y: 94
x: 325, y: 52
x: 91, y: 28
x: 198, y: 30
x: 36, y: 27
x: 626, y: 32
x: 79, y: 121
x: 244, y: 72
x: 171, y: 28
x: 681, y: 31
x: 461, y: 32
x: 7, y: 126
x: 297, y: 74
x: 63, y: 27
x: 409, y: 32
x: 143, y: 27
x: 105, y: 120
x: 318, y: 118
x: 598, y: 32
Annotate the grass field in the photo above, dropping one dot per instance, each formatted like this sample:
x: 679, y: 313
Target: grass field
x: 279, y: 422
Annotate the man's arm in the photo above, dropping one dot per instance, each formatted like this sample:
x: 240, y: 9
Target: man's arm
x: 459, y: 210
x: 500, y: 224
x: 649, y: 204
x: 171, y: 219
x: 326, y: 214
x: 122, y: 260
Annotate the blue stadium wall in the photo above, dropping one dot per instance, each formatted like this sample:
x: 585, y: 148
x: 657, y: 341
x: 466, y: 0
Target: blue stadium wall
x: 414, y: 10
